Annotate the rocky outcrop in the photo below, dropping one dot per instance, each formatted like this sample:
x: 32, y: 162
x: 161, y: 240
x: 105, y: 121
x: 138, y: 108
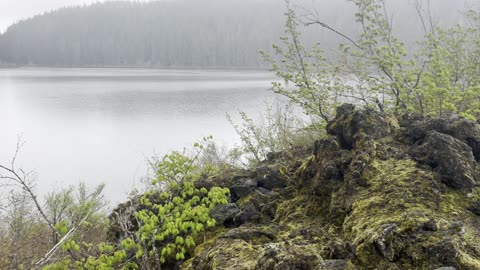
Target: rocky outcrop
x: 350, y: 125
x: 379, y: 193
x: 450, y: 157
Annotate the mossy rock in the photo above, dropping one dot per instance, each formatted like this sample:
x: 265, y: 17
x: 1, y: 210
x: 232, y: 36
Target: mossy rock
x: 390, y: 221
x: 377, y: 194
x: 351, y: 125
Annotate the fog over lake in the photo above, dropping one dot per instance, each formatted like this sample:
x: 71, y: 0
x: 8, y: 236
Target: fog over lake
x: 100, y: 125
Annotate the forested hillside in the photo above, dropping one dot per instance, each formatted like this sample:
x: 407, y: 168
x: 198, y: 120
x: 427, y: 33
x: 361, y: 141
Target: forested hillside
x: 197, y: 33
x: 181, y: 33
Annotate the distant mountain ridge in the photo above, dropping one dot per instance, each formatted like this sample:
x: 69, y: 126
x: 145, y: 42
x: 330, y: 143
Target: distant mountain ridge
x: 215, y: 33
x: 181, y: 33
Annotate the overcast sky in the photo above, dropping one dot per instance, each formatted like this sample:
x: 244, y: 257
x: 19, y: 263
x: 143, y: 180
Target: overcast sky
x: 14, y: 10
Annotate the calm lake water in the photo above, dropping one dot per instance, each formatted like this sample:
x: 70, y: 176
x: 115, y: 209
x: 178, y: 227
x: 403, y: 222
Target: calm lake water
x: 100, y: 125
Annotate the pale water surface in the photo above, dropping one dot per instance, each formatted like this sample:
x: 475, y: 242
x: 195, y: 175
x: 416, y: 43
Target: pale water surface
x: 100, y: 125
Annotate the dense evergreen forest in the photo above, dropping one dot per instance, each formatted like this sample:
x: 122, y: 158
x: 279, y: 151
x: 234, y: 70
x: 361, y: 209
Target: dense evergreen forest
x: 197, y: 33
x: 182, y: 33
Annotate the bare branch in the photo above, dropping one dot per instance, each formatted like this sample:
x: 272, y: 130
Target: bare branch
x: 313, y: 17
x: 22, y: 179
x: 324, y: 25
x: 52, y: 251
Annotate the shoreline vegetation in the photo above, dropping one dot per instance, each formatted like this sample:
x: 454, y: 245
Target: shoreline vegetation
x: 389, y: 182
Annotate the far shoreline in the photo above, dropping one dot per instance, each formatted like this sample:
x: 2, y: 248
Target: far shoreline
x: 224, y: 68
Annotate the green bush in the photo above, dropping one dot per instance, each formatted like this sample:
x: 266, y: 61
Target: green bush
x: 375, y: 69
x: 173, y: 220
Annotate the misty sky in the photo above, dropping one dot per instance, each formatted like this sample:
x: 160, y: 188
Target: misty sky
x: 14, y: 10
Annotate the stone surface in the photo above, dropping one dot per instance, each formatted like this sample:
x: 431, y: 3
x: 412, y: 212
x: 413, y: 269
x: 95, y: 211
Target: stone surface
x: 225, y: 213
x: 475, y: 208
x: 349, y: 125
x: 341, y: 250
x: 450, y: 157
x: 379, y: 193
x: 332, y: 265
x: 242, y: 187
x: 270, y: 177
x: 462, y: 129
x: 287, y: 257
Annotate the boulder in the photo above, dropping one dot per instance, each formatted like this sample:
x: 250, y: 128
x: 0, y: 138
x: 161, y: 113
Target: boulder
x: 249, y: 234
x: 350, y: 125
x: 444, y: 252
x: 450, y: 157
x: 465, y: 130
x: 270, y: 177
x: 226, y: 179
x: 225, y: 213
x: 368, y: 197
x: 242, y: 187
x: 281, y: 256
x: 475, y: 208
x: 259, y: 206
x: 225, y: 253
x: 341, y: 250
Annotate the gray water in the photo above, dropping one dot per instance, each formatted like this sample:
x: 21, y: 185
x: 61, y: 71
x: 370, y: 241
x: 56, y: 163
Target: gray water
x: 100, y: 125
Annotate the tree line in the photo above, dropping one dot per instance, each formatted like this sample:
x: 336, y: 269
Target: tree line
x: 167, y: 34
x: 181, y: 33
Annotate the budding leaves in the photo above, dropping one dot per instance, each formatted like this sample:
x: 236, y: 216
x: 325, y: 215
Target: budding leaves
x: 183, y: 215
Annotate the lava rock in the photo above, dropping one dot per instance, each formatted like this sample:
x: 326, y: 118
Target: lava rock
x: 349, y: 125
x: 248, y: 234
x: 445, y: 252
x: 341, y: 250
x: 332, y: 265
x: 243, y: 187
x: 224, y: 213
x: 430, y: 225
x: 286, y: 257
x: 382, y: 243
x: 269, y: 177
x: 450, y: 157
x: 475, y: 208
x: 462, y: 129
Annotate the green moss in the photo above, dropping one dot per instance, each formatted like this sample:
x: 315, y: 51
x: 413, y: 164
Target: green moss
x: 301, y: 207
x: 468, y: 262
x: 245, y: 200
x: 398, y: 193
x: 305, y: 167
x: 234, y: 254
x: 226, y: 254
x: 394, y: 211
x: 403, y: 194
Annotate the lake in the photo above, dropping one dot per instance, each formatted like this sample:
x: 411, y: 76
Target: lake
x: 101, y: 125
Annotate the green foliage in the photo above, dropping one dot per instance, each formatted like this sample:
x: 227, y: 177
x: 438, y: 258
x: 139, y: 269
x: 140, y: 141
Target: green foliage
x: 174, y: 223
x: 375, y: 69
x: 67, y: 207
x: 451, y: 81
x: 279, y: 130
x: 305, y: 69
